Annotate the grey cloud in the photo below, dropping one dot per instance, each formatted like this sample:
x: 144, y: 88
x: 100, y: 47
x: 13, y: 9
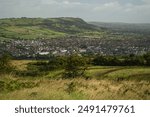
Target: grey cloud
x: 91, y: 10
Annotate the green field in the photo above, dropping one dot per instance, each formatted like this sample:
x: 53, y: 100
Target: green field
x: 104, y: 83
x: 40, y: 28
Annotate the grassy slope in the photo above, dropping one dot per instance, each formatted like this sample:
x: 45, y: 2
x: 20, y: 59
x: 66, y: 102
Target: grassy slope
x: 104, y: 83
x: 37, y: 28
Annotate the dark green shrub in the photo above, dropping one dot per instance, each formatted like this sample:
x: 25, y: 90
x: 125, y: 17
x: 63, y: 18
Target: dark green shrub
x: 75, y: 66
x: 5, y: 64
x: 16, y: 85
x: 2, y: 86
x: 13, y: 85
x: 147, y: 58
x: 133, y: 60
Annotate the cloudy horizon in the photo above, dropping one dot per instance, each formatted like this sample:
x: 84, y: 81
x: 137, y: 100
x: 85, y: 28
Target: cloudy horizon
x: 129, y: 11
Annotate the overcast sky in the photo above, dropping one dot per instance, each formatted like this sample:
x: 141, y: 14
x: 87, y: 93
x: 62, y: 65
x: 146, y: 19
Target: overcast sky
x: 131, y: 11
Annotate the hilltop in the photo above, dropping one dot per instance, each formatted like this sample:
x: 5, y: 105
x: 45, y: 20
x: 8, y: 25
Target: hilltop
x: 39, y: 28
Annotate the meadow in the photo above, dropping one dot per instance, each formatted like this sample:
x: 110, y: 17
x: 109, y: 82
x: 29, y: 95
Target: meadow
x: 100, y: 83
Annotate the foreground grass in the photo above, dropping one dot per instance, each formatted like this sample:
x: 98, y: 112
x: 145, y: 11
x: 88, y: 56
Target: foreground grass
x: 101, y: 83
x: 82, y: 89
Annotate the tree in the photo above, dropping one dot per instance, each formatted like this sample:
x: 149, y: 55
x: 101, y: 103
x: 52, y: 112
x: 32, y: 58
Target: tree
x: 133, y: 60
x: 100, y: 60
x: 57, y: 62
x: 5, y: 64
x: 147, y: 58
x: 75, y: 66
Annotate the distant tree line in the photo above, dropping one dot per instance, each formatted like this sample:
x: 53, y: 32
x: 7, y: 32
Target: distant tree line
x: 72, y: 65
x: 130, y: 60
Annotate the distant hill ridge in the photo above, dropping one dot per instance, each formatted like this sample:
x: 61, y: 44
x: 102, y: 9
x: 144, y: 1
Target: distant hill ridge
x: 125, y: 27
x: 33, y: 28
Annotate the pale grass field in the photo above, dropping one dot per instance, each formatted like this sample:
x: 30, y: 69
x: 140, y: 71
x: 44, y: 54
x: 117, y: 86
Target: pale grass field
x: 84, y: 89
x: 103, y: 83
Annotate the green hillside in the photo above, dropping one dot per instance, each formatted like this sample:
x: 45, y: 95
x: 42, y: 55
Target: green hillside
x: 39, y: 28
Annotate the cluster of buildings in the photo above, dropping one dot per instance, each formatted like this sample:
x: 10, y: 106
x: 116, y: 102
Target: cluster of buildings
x: 79, y: 45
